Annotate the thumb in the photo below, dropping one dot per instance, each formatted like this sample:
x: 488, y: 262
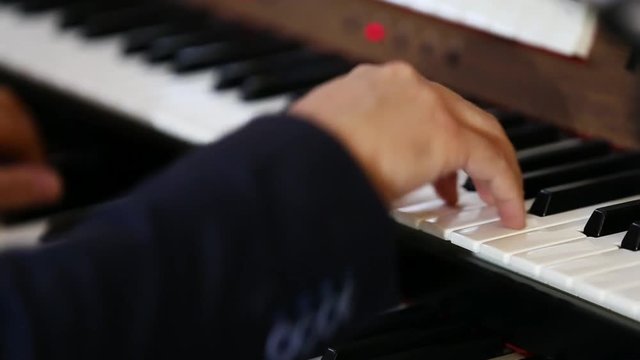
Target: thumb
x: 23, y: 186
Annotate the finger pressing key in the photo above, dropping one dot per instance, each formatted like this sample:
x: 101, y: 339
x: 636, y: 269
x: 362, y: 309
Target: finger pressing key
x: 488, y: 164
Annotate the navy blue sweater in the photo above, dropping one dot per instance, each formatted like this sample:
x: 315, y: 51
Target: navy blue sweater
x: 264, y: 245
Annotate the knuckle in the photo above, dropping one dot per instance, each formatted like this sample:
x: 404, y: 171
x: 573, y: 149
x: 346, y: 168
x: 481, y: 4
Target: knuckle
x: 363, y: 68
x: 493, y: 155
x: 502, y: 166
x: 490, y: 118
x: 431, y: 99
x: 502, y: 140
x: 400, y: 69
x: 493, y: 122
x: 435, y: 88
x: 432, y: 93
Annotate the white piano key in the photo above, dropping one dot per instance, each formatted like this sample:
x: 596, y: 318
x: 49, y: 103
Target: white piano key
x: 183, y: 106
x: 22, y: 235
x: 427, y: 193
x: 501, y: 250
x: 443, y: 226
x: 415, y: 215
x: 425, y: 203
x: 475, y: 235
x: 563, y: 275
x: 530, y: 263
x: 595, y: 288
x: 624, y: 301
x: 423, y: 194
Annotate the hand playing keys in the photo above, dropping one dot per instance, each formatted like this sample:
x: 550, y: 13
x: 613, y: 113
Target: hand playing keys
x: 405, y: 131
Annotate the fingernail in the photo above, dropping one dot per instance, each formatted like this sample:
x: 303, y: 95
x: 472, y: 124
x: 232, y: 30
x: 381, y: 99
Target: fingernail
x: 512, y: 215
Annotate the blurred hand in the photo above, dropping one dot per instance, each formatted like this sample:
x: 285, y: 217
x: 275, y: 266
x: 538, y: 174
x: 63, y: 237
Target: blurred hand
x: 405, y: 131
x: 25, y: 181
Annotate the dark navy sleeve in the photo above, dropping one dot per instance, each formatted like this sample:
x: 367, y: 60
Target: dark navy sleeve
x: 264, y: 245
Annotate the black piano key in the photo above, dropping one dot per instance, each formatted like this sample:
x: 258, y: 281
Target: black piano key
x: 394, y: 342
x: 537, y: 180
x: 182, y: 21
x: 166, y: 47
x: 36, y: 6
x: 137, y: 40
x: 140, y: 39
x: 576, y: 195
x: 562, y: 152
x: 281, y: 82
x: 77, y: 13
x: 232, y: 75
x: 612, y: 219
x: 568, y: 151
x: 119, y: 20
x: 631, y: 240
x: 533, y: 134
x: 203, y: 56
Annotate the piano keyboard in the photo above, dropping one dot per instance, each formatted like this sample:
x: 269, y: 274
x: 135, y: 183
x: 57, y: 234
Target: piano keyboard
x: 580, y: 236
x: 188, y: 76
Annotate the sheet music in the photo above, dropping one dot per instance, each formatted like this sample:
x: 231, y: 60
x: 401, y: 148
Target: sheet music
x: 565, y: 27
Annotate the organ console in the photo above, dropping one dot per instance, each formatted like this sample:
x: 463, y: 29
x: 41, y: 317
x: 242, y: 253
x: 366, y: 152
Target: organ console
x: 157, y: 78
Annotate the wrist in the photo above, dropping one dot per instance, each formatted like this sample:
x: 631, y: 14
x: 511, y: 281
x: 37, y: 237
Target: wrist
x: 357, y: 142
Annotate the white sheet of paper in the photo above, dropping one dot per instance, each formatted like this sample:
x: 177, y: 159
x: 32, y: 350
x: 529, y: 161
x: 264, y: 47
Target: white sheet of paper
x: 565, y: 27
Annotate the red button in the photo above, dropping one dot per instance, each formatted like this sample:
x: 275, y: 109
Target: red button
x: 375, y: 32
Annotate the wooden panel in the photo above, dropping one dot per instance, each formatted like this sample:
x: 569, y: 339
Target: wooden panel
x: 595, y: 97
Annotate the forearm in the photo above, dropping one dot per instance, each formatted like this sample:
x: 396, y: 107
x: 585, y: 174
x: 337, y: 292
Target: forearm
x: 219, y: 253
x: 307, y: 219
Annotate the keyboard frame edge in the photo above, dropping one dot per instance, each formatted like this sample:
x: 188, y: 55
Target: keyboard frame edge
x: 568, y: 92
x: 556, y: 323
